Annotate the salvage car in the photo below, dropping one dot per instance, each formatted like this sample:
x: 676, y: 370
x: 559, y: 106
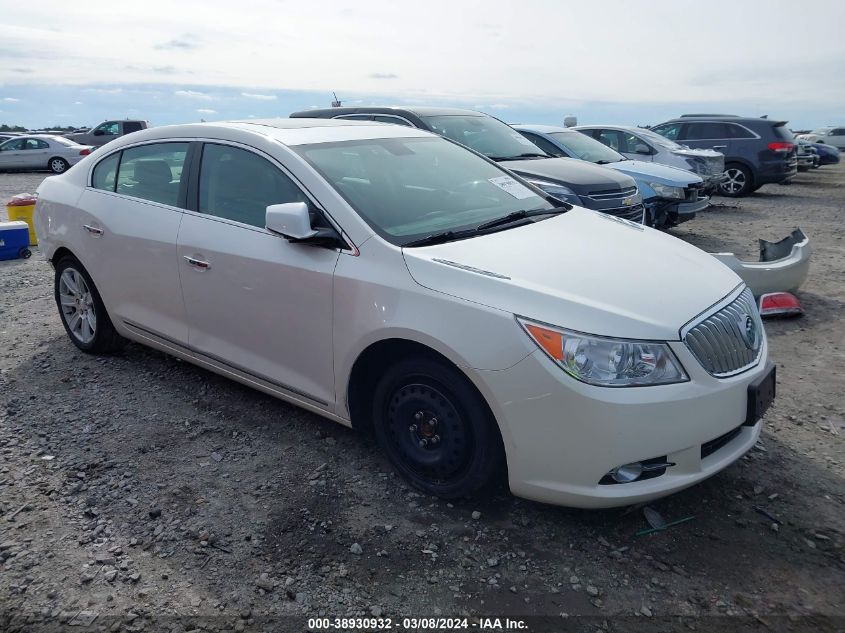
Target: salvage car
x: 644, y: 145
x: 39, y: 152
x: 670, y: 195
x: 571, y: 181
x: 806, y: 155
x: 757, y: 150
x: 398, y: 282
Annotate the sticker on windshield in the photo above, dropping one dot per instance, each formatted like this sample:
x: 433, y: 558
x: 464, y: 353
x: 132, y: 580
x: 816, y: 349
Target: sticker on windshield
x: 512, y: 187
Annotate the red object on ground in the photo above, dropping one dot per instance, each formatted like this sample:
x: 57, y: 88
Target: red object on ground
x: 780, y: 304
x: 22, y: 200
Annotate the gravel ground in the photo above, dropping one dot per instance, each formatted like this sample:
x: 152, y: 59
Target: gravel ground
x: 138, y: 492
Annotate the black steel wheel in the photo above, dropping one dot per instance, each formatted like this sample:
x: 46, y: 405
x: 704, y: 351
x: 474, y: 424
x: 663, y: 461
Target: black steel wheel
x: 436, y: 428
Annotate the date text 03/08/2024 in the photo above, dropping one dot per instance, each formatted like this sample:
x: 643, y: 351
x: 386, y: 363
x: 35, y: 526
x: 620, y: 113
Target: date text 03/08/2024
x: 415, y: 624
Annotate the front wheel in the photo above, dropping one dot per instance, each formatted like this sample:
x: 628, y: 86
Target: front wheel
x: 82, y: 311
x: 738, y: 181
x: 436, y: 429
x: 58, y: 165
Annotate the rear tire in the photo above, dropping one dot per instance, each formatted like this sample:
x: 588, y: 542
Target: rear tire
x: 82, y: 311
x: 739, y: 181
x: 436, y: 429
x: 58, y: 165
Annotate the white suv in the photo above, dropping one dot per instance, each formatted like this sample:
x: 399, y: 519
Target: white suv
x: 390, y: 279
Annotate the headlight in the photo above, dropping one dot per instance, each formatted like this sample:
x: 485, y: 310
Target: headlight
x: 558, y: 191
x: 668, y: 191
x: 607, y: 362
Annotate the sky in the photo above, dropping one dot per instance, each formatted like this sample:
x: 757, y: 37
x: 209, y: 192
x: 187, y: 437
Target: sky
x: 533, y: 61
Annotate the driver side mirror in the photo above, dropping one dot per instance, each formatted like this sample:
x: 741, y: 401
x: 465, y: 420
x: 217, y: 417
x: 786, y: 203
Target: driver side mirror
x: 292, y: 220
x: 642, y: 148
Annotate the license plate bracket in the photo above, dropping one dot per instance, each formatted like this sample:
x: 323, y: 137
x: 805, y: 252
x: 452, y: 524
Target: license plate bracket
x: 761, y: 394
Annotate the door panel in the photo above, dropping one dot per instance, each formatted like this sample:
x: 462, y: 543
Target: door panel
x: 259, y: 303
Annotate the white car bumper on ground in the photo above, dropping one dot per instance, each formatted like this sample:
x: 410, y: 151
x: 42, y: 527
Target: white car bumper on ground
x: 783, y: 265
x: 562, y: 436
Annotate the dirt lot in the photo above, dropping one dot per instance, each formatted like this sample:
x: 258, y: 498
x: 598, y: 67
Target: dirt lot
x: 138, y: 492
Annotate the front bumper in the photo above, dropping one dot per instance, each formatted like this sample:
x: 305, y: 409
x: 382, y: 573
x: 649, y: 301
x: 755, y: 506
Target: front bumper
x: 783, y: 265
x: 563, y: 436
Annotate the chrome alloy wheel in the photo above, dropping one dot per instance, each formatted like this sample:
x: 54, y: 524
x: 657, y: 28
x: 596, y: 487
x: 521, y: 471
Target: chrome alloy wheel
x: 58, y: 165
x: 735, y: 181
x: 77, y: 304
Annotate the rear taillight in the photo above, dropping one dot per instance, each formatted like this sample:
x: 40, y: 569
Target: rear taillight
x: 84, y: 152
x: 781, y: 146
x: 780, y: 304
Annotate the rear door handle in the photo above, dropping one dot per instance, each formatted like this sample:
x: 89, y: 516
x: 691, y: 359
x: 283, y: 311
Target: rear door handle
x: 93, y: 230
x: 720, y: 147
x: 197, y: 263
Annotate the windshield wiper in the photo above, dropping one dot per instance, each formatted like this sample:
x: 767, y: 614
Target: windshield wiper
x: 439, y: 238
x: 518, y: 215
x: 519, y: 156
x: 606, y: 162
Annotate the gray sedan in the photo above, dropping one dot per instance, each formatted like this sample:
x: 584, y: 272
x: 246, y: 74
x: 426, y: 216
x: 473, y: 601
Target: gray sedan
x: 42, y: 151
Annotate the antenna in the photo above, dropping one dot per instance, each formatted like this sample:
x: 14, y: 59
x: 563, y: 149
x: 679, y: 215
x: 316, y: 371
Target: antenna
x: 336, y: 103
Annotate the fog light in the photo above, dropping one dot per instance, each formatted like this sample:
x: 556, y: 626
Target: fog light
x: 627, y: 473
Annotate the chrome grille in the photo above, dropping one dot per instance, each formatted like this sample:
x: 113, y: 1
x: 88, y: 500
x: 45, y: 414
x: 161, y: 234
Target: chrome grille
x: 613, y: 195
x: 633, y: 213
x: 730, y: 340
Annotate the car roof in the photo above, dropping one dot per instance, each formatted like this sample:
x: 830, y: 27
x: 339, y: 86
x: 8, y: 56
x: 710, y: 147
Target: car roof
x: 697, y: 118
x: 625, y: 128
x: 300, y: 131
x: 419, y: 110
x: 546, y: 129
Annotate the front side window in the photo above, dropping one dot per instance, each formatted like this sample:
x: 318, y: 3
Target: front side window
x: 672, y: 131
x: 409, y: 188
x: 586, y: 148
x: 112, y: 128
x: 152, y: 172
x: 485, y: 135
x: 105, y: 173
x: 611, y: 138
x: 238, y: 185
x: 12, y: 145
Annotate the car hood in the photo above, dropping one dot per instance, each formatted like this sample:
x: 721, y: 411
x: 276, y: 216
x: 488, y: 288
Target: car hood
x: 654, y: 172
x: 581, y: 270
x: 582, y: 177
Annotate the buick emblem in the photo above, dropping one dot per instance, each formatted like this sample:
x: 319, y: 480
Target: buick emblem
x: 748, y: 331
x: 627, y: 201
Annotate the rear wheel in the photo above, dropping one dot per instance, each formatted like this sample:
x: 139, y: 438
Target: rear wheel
x: 82, y: 311
x: 58, y: 165
x: 738, y: 181
x: 436, y: 428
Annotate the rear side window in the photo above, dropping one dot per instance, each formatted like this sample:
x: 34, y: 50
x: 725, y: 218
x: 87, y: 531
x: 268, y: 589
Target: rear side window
x: 238, y: 185
x: 105, y: 173
x: 152, y: 172
x: 35, y: 143
x: 131, y: 126
x: 704, y: 130
x: 840, y: 131
x: 738, y: 131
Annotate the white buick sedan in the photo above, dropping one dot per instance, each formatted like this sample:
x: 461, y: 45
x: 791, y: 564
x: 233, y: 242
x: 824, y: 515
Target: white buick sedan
x: 41, y: 151
x: 392, y: 280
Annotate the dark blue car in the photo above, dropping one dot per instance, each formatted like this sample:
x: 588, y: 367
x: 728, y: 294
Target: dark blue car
x: 828, y: 154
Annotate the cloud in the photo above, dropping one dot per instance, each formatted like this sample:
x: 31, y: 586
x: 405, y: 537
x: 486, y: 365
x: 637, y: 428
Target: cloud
x: 259, y: 97
x: 106, y: 91
x: 185, y: 43
x: 77, y: 103
x: 383, y: 76
x: 10, y: 100
x: 193, y: 94
x: 165, y: 70
x: 22, y: 71
x: 206, y: 111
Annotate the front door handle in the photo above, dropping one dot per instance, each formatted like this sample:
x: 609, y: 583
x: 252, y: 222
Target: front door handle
x: 93, y: 230
x: 197, y: 263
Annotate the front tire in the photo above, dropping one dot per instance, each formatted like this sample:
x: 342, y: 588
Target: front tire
x: 82, y: 311
x: 436, y: 429
x: 739, y: 181
x: 58, y: 165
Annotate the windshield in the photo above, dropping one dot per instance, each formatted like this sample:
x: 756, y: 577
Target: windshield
x: 485, y: 135
x: 408, y: 188
x: 587, y: 148
x: 654, y: 137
